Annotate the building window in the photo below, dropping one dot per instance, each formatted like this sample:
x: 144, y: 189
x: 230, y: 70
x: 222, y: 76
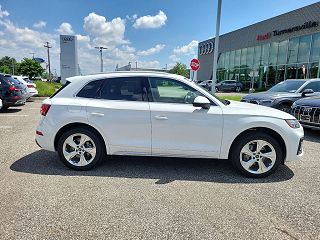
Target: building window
x: 231, y: 61
x: 293, y: 50
x: 282, y: 52
x: 250, y: 53
x: 273, y: 53
x: 237, y: 58
x: 315, y: 49
x: 257, y: 60
x: 243, y: 58
x: 304, y: 49
x: 265, y: 54
x: 226, y: 60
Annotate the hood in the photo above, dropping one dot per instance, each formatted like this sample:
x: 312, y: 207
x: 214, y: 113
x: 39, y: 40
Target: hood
x: 310, y: 101
x: 269, y: 95
x: 249, y: 109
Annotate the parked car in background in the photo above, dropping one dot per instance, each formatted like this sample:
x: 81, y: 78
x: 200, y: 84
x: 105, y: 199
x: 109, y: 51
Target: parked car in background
x: 161, y: 114
x: 30, y: 86
x: 284, y: 94
x: 12, y: 92
x: 206, y: 84
x: 229, y: 85
x: 307, y: 111
x: 0, y: 104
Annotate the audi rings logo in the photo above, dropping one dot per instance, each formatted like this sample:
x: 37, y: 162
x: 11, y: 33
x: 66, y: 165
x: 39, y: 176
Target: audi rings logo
x: 206, y: 48
x: 67, y: 39
x: 307, y: 109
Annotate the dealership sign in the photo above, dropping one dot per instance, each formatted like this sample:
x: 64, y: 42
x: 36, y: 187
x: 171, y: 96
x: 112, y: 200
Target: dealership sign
x: 66, y: 39
x: 306, y: 25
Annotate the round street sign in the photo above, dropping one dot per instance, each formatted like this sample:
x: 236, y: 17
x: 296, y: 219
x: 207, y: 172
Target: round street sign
x: 195, y: 64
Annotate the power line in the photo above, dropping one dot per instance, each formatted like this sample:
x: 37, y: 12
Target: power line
x: 47, y: 45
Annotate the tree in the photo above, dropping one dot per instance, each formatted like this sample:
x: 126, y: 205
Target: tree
x: 7, y: 64
x: 180, y: 69
x: 5, y: 69
x: 30, y: 68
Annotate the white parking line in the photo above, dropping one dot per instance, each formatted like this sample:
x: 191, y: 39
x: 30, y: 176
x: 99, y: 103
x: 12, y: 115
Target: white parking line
x: 9, y: 115
x: 6, y: 127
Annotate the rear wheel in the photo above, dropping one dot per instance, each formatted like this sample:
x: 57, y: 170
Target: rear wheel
x: 238, y: 89
x: 80, y: 149
x: 256, y: 155
x: 217, y: 89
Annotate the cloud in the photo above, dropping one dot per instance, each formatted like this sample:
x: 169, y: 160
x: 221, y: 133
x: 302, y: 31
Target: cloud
x: 25, y: 37
x: 187, y: 49
x: 106, y: 33
x: 152, y: 50
x: 40, y: 24
x: 149, y: 21
x: 3, y: 13
x: 174, y: 58
x: 65, y: 29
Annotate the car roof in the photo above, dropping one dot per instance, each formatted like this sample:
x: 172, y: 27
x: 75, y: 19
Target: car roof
x: 125, y: 74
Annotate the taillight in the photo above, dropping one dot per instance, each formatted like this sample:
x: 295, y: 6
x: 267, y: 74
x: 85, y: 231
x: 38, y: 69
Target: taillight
x: 30, y: 86
x: 12, y: 88
x: 44, y: 109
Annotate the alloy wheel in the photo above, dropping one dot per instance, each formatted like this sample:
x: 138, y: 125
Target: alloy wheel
x: 79, y: 149
x: 258, y: 157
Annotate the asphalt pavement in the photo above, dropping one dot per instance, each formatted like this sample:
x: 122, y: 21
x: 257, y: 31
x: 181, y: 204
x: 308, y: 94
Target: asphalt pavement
x: 149, y: 198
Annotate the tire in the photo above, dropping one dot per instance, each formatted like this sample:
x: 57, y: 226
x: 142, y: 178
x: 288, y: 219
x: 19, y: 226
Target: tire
x: 79, y: 158
x: 4, y: 108
x: 217, y: 89
x: 238, y: 89
x: 285, y: 107
x: 255, y: 165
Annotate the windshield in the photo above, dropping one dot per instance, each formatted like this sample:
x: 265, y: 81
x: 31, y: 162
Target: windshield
x: 287, y: 86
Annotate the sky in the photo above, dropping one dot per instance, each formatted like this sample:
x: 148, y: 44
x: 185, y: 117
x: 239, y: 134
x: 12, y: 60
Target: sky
x: 153, y: 33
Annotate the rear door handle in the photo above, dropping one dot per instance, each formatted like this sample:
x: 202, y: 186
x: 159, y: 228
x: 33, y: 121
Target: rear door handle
x: 161, y: 117
x: 97, y: 114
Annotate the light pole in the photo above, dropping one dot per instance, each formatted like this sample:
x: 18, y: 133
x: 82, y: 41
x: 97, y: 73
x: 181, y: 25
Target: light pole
x: 101, y: 60
x: 216, y: 49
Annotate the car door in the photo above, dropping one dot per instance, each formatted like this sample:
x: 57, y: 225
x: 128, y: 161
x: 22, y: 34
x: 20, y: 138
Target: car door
x: 121, y: 110
x: 179, y: 128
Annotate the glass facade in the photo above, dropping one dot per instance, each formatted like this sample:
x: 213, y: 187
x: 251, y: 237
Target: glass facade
x: 268, y: 64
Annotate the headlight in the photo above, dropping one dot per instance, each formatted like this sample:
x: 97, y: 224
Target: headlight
x: 293, y: 123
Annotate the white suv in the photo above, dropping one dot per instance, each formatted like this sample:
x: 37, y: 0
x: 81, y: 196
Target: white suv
x: 160, y: 114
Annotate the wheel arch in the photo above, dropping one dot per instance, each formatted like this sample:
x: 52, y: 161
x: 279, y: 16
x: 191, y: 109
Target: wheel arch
x: 266, y: 130
x: 75, y: 125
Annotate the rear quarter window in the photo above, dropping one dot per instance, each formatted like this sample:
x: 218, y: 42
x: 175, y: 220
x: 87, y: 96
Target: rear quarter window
x: 90, y: 90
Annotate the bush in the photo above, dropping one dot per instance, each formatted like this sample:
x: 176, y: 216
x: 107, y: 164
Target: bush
x: 46, y: 89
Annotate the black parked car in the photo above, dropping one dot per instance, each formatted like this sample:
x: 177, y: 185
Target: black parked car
x: 229, y: 85
x: 284, y: 94
x: 12, y: 92
x: 307, y: 111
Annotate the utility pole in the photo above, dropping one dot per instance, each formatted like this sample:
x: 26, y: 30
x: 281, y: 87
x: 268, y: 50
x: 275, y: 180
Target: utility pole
x: 32, y: 55
x: 12, y: 66
x: 136, y: 66
x: 216, y: 49
x: 101, y: 60
x: 47, y: 45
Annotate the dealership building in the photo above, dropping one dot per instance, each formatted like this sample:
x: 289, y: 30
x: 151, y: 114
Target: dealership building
x: 282, y: 47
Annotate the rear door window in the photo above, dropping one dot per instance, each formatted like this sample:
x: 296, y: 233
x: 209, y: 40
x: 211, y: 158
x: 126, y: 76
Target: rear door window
x: 124, y: 88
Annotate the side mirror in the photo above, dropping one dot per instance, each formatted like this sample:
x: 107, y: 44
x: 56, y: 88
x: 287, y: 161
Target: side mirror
x: 306, y: 92
x: 201, y: 102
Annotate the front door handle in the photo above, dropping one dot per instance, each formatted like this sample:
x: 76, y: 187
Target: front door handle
x: 97, y: 114
x: 161, y: 117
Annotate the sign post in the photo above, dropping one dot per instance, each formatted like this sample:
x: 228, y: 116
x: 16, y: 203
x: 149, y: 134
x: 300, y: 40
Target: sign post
x: 195, y: 65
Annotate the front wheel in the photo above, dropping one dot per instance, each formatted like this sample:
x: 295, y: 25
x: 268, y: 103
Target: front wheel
x: 80, y: 149
x: 256, y: 155
x: 285, y: 108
